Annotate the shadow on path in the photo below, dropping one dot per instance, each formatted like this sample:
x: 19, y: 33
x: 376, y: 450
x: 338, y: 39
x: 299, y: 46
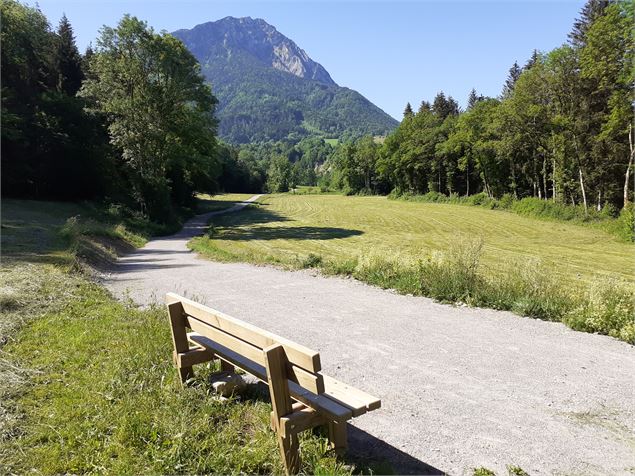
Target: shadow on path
x: 367, y: 451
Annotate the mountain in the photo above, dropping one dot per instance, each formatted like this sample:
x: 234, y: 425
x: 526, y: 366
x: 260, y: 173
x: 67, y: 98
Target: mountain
x: 269, y: 88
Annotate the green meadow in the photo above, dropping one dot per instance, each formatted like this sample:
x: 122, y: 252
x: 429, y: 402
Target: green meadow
x: 549, y: 269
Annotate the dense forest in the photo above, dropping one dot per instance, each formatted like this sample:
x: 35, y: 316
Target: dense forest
x: 130, y: 121
x: 561, y: 130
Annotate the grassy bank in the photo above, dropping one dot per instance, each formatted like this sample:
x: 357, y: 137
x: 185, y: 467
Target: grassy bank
x: 452, y: 253
x: 87, y: 382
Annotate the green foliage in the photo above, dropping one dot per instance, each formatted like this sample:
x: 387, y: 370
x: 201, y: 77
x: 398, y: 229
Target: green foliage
x: 482, y: 471
x: 514, y: 470
x: 68, y: 61
x: 46, y: 134
x: 626, y: 223
x: 311, y: 261
x: 163, y: 129
x: 279, y: 175
x: 558, y: 133
x: 608, y: 308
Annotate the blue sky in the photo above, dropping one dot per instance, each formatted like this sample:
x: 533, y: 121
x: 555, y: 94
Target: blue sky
x: 391, y: 52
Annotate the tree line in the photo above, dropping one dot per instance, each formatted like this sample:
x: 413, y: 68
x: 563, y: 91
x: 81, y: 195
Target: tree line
x: 561, y: 130
x: 132, y: 121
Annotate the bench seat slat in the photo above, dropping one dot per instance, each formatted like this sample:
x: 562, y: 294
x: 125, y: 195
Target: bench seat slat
x: 357, y: 400
x: 319, y: 402
x: 311, y: 381
x: 296, y: 354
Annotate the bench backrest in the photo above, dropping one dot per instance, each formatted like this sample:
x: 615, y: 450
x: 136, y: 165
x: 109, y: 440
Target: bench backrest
x: 249, y: 340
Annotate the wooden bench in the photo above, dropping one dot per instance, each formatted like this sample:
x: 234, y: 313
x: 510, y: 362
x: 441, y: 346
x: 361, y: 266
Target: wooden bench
x: 302, y: 398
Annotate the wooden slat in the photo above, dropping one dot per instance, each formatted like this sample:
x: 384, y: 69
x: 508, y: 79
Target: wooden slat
x: 311, y: 381
x: 329, y: 408
x: 301, y: 419
x: 193, y: 357
x: 296, y: 354
x: 358, y: 401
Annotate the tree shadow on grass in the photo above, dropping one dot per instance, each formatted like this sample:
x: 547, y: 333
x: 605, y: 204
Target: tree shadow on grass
x: 240, y: 227
x: 288, y: 233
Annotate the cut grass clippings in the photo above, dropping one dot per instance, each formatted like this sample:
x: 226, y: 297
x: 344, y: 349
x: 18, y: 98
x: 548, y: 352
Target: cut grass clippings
x: 103, y: 397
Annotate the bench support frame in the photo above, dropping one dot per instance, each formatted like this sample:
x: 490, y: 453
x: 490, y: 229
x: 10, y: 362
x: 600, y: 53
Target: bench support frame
x: 288, y: 418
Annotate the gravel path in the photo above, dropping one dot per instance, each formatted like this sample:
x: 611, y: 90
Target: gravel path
x: 460, y: 388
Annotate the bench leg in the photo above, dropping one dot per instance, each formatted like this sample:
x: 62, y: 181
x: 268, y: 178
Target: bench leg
x: 338, y: 437
x: 179, y: 338
x: 276, y: 365
x: 290, y: 452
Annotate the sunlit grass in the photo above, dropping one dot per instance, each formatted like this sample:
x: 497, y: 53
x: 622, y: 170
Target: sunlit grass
x: 87, y: 383
x: 286, y: 227
x: 452, y: 253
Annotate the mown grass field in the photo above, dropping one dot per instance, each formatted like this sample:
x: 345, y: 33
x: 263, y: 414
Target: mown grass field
x: 551, y: 270
x: 286, y: 227
x: 87, y: 383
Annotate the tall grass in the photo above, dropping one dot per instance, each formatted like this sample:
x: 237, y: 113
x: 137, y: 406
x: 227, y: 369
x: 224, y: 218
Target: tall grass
x: 525, y: 287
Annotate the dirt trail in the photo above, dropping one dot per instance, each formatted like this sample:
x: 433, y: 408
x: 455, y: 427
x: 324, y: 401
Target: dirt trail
x: 460, y: 388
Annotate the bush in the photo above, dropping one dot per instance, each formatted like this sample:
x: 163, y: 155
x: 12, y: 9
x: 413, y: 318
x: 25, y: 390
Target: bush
x: 533, y: 206
x: 506, y: 201
x: 434, y: 197
x: 626, y: 223
x: 453, y: 276
x: 478, y: 199
x: 311, y: 261
x: 608, y: 308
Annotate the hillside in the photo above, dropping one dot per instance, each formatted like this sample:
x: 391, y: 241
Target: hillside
x: 269, y: 88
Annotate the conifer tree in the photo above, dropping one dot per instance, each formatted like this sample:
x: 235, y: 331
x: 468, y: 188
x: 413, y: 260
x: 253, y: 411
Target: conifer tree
x: 444, y: 107
x: 533, y: 59
x: 68, y: 61
x: 86, y: 58
x: 425, y: 106
x: 592, y: 10
x: 408, y: 112
x: 473, y: 98
x: 514, y: 73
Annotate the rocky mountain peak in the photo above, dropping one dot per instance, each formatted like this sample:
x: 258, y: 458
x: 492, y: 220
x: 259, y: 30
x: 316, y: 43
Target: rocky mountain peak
x: 261, y: 40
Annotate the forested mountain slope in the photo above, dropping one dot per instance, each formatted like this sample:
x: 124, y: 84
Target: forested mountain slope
x: 268, y: 88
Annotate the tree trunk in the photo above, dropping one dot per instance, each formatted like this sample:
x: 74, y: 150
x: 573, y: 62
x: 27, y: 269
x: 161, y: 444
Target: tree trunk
x: 544, y: 176
x: 586, y: 206
x: 627, y: 176
x: 599, y: 201
x: 514, y: 187
x: 467, y: 179
x: 553, y: 179
x: 577, y: 153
